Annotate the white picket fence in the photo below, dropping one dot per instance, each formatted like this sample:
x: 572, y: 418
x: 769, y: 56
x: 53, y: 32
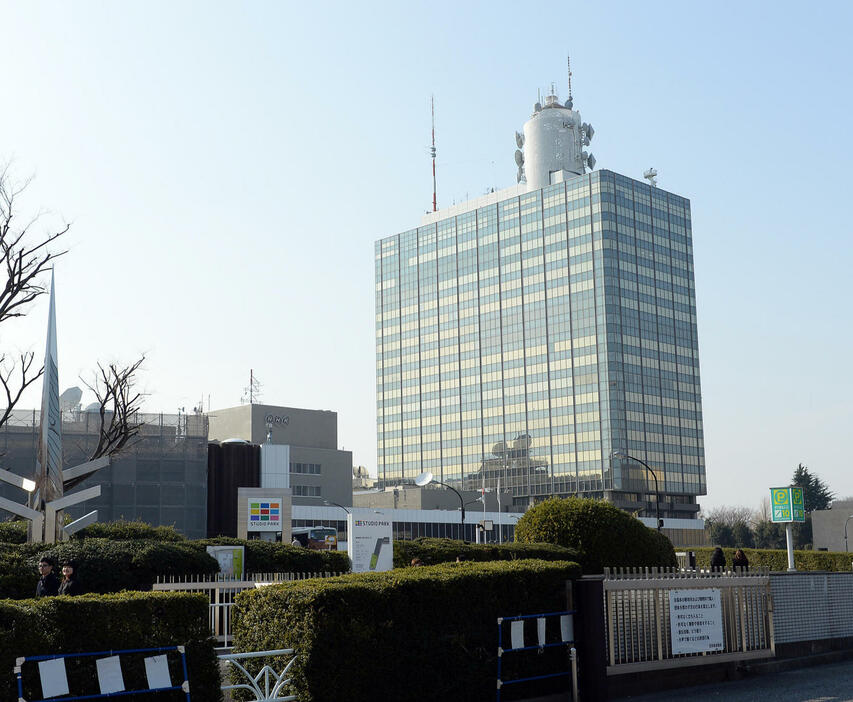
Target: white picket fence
x: 222, y: 590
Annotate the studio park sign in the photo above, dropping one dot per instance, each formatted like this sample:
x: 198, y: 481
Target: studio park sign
x: 786, y: 504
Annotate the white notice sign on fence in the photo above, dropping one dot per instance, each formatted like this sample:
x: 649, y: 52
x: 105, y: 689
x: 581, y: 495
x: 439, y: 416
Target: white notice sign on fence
x: 695, y: 621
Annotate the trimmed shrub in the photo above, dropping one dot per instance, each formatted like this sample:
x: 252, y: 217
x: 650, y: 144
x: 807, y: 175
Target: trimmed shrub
x: 777, y: 559
x: 390, y: 636
x: 432, y: 551
x: 109, y: 622
x: 268, y: 557
x: 604, y: 535
x: 123, y: 530
x: 13, y: 532
x: 103, y: 565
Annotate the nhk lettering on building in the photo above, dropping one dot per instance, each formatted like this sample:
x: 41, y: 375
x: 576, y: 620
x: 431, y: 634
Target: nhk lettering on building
x: 695, y: 621
x: 786, y: 504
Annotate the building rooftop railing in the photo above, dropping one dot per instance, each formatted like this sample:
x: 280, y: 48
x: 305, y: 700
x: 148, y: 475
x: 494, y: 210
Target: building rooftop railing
x: 78, y: 421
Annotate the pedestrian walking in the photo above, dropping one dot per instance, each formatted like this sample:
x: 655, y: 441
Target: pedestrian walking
x: 718, y: 560
x: 740, y: 560
x: 70, y: 585
x: 48, y: 584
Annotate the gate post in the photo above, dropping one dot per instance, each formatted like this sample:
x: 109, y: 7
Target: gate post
x: 591, y: 640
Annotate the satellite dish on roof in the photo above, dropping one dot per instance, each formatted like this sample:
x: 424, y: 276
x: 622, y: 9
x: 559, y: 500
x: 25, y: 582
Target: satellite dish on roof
x: 590, y: 161
x: 499, y: 449
x: 519, y: 158
x: 93, y: 407
x: 519, y: 139
x: 70, y: 398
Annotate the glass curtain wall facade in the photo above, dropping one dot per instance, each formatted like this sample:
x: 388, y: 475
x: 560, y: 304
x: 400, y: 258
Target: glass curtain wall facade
x: 525, y: 341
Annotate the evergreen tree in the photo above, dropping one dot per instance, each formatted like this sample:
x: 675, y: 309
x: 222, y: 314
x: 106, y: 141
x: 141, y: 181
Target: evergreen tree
x: 742, y: 535
x: 769, y: 535
x: 816, y: 495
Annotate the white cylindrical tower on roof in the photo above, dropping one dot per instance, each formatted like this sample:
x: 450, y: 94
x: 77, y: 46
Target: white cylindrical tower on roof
x: 553, y: 143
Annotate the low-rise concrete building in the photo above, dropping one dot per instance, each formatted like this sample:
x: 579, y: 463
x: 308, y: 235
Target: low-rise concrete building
x: 829, y: 525
x: 318, y: 470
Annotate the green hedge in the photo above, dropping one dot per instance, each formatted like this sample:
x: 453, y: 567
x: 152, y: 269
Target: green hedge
x: 109, y: 622
x: 103, y: 565
x: 123, y: 530
x: 268, y: 557
x: 777, y: 559
x: 13, y: 532
x: 404, y: 634
x: 432, y: 551
x: 603, y: 534
x: 108, y: 565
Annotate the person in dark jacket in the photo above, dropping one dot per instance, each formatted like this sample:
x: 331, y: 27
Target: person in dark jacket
x: 70, y: 585
x: 48, y: 584
x: 718, y: 560
x: 740, y: 560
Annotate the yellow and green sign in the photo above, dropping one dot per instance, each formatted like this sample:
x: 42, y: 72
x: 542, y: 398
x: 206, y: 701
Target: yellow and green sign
x: 786, y: 504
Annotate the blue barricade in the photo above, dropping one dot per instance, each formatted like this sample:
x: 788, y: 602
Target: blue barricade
x: 566, y: 639
x: 57, y: 677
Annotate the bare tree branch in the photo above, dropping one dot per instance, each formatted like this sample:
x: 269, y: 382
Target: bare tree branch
x: 119, y: 407
x: 25, y: 258
x: 13, y: 389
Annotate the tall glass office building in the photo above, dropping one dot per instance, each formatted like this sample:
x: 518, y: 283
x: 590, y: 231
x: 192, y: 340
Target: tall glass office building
x: 524, y: 338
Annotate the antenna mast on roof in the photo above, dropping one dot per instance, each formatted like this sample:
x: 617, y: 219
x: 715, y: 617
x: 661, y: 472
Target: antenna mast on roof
x: 252, y: 393
x: 432, y: 149
x: 569, y: 66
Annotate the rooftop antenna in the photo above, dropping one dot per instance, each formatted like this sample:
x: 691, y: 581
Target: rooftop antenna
x: 569, y: 66
x: 651, y: 176
x: 252, y: 393
x: 432, y: 149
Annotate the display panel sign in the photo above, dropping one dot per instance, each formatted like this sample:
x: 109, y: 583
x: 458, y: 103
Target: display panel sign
x: 230, y: 559
x: 786, y: 504
x: 264, y: 514
x: 695, y: 621
x: 371, y: 541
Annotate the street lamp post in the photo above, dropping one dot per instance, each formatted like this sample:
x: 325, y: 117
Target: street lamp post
x: 335, y: 504
x: 426, y: 478
x: 623, y: 454
x: 845, y: 532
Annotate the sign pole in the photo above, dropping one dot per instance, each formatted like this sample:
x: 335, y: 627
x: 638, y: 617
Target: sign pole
x: 789, y: 536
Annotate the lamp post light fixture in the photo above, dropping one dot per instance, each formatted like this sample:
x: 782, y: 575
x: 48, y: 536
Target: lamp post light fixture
x: 426, y: 478
x: 845, y: 532
x: 622, y: 454
x: 335, y: 504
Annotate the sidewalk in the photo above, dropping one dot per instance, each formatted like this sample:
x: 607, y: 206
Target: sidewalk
x: 823, y: 683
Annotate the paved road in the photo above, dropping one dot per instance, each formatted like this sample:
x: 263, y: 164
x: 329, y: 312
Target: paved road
x: 823, y: 683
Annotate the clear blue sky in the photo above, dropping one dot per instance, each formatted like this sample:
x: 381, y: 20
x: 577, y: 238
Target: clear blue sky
x: 228, y: 166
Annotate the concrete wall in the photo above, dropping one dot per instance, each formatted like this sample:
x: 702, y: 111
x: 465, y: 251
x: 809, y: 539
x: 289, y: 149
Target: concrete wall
x: 334, y: 480
x: 408, y: 497
x: 828, y: 526
x: 290, y: 425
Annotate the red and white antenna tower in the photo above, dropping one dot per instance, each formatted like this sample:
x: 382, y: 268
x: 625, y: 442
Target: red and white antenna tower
x: 432, y: 150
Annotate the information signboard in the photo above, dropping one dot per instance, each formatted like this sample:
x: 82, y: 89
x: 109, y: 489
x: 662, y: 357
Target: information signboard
x: 786, y: 504
x: 695, y: 621
x: 230, y: 559
x: 370, y: 542
x: 264, y: 514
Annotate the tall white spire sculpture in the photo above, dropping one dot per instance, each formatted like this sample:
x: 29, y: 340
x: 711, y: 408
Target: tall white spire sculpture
x: 49, y: 461
x: 47, y: 496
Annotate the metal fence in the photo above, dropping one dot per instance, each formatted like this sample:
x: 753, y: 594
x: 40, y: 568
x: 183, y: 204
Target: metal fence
x: 222, y: 590
x: 270, y: 684
x: 637, y: 614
